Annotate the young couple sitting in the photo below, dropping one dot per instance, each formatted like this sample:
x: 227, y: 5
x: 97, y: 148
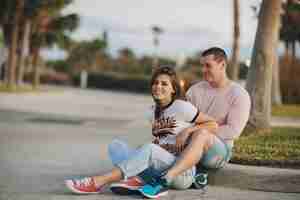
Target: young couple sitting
x: 196, y: 132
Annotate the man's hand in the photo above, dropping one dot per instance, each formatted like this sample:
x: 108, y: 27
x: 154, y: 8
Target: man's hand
x: 181, y: 139
x: 183, y: 136
x: 211, y: 126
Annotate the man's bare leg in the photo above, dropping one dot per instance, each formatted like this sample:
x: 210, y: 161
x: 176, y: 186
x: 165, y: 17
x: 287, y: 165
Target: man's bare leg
x: 200, y: 142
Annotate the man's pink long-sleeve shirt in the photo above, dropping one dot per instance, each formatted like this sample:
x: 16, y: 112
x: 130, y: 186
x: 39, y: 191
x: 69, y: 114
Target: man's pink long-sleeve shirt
x: 229, y: 106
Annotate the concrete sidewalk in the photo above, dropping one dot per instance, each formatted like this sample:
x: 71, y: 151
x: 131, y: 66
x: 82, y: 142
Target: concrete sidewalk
x: 47, y: 137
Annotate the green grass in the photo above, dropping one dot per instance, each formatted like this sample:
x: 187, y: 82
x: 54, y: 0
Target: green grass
x: 280, y: 148
x: 22, y: 89
x: 286, y: 111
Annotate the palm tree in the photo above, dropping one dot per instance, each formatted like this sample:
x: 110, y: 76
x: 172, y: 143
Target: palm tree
x: 49, y: 28
x: 24, y: 17
x: 156, y: 31
x: 83, y: 54
x: 260, y: 75
x: 12, y: 28
x: 234, y: 67
x: 30, y: 12
x: 7, y: 10
x: 12, y: 56
x: 276, y: 97
x: 23, y: 50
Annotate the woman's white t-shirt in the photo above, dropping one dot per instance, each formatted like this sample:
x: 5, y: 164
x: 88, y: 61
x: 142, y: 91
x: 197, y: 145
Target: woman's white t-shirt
x: 172, y: 120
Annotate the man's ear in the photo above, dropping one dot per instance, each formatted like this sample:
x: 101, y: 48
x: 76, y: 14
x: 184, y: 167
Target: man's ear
x: 223, y: 64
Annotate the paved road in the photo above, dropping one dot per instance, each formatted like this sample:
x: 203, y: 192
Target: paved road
x: 47, y: 137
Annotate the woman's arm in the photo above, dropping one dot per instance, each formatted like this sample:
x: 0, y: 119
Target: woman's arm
x: 204, y: 121
x: 201, y: 122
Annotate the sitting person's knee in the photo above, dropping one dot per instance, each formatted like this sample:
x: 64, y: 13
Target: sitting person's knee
x: 204, y: 137
x: 150, y: 147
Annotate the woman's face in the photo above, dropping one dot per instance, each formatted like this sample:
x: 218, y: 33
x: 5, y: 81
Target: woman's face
x: 162, y: 89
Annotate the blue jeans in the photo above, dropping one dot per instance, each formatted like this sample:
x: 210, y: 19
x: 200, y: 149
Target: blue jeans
x: 217, y: 156
x: 152, y: 156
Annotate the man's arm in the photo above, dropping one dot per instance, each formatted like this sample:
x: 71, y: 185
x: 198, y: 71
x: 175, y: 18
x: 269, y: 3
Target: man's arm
x: 202, y: 121
x: 237, y: 118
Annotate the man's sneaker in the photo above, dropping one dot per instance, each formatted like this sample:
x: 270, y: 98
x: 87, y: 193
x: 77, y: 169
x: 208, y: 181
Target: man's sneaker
x: 128, y: 186
x: 200, y: 180
x: 83, y: 186
x: 155, y: 189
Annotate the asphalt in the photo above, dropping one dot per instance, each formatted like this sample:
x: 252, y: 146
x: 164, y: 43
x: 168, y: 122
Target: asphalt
x: 50, y: 136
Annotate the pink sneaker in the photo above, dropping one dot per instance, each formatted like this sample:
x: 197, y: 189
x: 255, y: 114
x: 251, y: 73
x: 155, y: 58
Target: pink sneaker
x: 127, y: 187
x: 83, y: 186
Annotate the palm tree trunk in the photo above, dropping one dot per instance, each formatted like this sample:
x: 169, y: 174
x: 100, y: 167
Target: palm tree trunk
x: 234, y: 67
x: 36, y: 73
x: 155, y: 63
x: 24, y: 51
x: 276, y: 93
x: 12, y: 58
x: 286, y: 48
x: 7, y: 35
x: 294, y: 50
x: 259, y: 78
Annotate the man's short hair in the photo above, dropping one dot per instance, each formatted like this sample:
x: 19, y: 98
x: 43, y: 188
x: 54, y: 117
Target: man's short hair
x: 219, y: 53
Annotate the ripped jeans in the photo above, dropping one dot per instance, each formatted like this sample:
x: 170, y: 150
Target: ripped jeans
x: 152, y: 156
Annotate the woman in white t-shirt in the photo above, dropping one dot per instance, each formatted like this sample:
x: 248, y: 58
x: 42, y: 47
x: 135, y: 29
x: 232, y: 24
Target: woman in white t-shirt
x: 169, y: 116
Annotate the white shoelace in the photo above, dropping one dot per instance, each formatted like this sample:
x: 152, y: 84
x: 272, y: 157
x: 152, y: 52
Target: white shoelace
x: 85, y: 181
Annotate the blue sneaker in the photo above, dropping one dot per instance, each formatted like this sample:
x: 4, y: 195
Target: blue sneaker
x: 155, y: 189
x: 200, y: 180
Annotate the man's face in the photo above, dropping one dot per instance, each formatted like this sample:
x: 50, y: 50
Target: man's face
x: 212, y: 69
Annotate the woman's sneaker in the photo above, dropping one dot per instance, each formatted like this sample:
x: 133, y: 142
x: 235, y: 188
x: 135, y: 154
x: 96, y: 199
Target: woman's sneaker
x: 155, y: 189
x: 83, y: 186
x: 129, y: 186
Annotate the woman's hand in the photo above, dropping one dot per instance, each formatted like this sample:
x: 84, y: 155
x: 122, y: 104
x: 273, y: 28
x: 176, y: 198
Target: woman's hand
x: 155, y: 140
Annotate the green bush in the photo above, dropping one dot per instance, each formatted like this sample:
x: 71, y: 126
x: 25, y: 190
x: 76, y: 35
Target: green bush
x: 60, y: 66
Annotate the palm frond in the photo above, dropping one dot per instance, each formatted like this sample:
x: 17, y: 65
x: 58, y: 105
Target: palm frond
x: 54, y: 6
x: 69, y: 23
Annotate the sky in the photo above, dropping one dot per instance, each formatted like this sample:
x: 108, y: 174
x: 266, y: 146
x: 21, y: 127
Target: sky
x: 189, y: 26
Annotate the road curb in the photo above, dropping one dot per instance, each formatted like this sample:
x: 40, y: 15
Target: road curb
x: 257, y: 178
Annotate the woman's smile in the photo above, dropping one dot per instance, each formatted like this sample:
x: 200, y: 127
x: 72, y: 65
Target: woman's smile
x: 162, y: 89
